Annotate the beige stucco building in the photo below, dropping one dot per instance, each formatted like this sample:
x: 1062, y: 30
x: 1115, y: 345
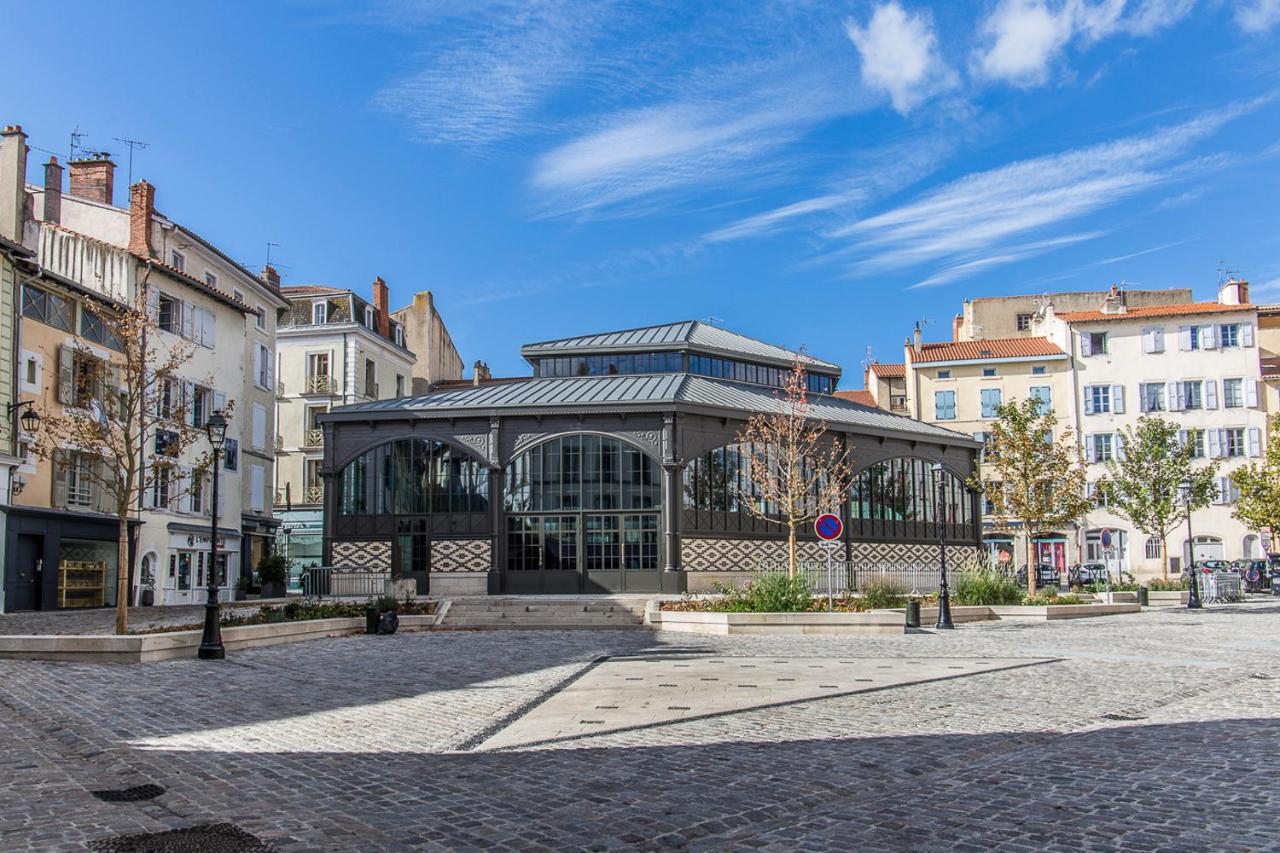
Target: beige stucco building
x: 335, y: 349
x: 436, y: 359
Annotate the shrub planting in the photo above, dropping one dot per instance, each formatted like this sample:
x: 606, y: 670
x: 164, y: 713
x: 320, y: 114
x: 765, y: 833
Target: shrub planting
x: 985, y: 588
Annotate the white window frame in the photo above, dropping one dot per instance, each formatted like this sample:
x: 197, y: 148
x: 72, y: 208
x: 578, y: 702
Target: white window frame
x: 177, y: 260
x: 319, y: 312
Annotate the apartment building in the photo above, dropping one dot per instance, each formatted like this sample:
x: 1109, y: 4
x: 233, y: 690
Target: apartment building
x: 1195, y: 363
x: 1101, y: 360
x: 88, y: 248
x: 335, y: 348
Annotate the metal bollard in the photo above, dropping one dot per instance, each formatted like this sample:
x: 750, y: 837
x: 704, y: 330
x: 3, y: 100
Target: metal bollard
x: 913, y: 614
x: 371, y: 617
x: 1142, y: 597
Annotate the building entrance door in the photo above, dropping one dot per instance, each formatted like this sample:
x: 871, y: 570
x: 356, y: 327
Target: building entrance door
x: 26, y: 574
x: 582, y: 553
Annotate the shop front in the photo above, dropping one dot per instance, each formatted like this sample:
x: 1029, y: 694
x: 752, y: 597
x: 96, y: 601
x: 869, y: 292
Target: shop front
x: 189, y: 560
x: 60, y: 560
x: 301, y: 541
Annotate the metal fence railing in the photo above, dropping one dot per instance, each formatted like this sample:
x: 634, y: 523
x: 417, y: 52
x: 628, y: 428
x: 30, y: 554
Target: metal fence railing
x: 854, y: 576
x: 328, y: 582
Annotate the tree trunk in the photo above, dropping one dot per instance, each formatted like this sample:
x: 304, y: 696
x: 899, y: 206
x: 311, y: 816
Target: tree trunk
x: 791, y: 549
x: 1031, y: 566
x: 1164, y: 557
x: 122, y: 577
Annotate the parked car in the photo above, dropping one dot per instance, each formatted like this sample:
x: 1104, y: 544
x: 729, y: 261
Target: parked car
x: 1046, y: 575
x: 1253, y: 573
x: 1213, y: 565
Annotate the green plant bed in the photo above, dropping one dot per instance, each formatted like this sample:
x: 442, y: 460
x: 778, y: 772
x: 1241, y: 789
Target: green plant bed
x: 986, y: 588
x: 300, y: 611
x: 776, y: 593
x: 1161, y: 585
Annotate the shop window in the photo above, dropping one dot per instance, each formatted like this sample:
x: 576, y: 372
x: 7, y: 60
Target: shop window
x: 87, y: 573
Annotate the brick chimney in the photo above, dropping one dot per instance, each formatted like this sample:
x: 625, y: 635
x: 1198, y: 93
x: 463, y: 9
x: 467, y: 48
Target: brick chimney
x: 142, y: 208
x: 916, y: 337
x: 1114, y: 302
x: 480, y: 373
x: 271, y: 276
x: 13, y: 176
x: 1234, y: 291
x: 52, y: 191
x: 94, y: 179
x: 957, y: 323
x: 381, y: 306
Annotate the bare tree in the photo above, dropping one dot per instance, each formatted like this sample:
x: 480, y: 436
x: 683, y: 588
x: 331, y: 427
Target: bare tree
x: 125, y: 422
x: 795, y: 469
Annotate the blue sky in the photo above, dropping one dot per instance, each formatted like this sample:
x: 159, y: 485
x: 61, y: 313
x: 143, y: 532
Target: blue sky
x: 817, y: 174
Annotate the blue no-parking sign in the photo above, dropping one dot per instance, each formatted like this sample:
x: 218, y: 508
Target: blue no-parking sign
x: 828, y: 527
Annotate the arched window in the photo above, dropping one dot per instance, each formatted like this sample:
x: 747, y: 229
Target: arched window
x: 901, y: 498
x: 413, y: 476
x: 1153, y: 548
x: 582, y: 472
x: 719, y: 492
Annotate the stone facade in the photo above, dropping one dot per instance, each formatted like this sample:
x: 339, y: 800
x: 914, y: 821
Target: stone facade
x: 367, y: 556
x: 460, y: 555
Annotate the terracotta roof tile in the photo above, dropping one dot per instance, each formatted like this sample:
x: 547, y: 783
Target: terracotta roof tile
x: 889, y: 371
x: 191, y: 280
x: 861, y: 397
x: 977, y: 350
x: 1149, y: 311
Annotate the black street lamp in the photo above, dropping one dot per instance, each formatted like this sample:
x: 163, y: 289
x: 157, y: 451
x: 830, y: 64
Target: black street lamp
x: 211, y: 647
x: 1193, y: 597
x: 944, y: 595
x: 30, y: 418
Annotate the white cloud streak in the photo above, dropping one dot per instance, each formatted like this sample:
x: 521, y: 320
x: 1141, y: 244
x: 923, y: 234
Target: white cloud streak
x: 1257, y: 17
x: 980, y: 211
x: 899, y: 56
x: 1007, y: 256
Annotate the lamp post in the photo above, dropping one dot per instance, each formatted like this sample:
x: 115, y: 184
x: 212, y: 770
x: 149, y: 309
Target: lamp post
x: 1193, y: 597
x: 944, y: 595
x: 211, y: 647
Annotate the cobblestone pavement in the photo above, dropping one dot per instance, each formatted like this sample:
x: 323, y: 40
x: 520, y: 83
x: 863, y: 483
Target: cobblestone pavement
x: 102, y: 620
x: 1155, y: 731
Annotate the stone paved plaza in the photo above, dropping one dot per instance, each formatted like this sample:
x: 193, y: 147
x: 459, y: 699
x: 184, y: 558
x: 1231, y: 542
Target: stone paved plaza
x: 1155, y: 731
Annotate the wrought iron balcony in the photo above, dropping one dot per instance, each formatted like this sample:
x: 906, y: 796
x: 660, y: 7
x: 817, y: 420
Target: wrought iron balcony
x: 319, y: 385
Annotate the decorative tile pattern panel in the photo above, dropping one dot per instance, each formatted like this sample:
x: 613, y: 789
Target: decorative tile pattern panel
x: 740, y: 555
x: 461, y: 555
x: 363, y: 556
x: 744, y: 555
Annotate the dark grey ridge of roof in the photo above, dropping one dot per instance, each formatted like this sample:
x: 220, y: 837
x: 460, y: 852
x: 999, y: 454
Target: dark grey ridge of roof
x: 687, y: 334
x: 643, y: 391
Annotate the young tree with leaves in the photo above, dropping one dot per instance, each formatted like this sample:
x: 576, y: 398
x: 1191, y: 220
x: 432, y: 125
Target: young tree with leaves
x: 116, y: 411
x: 1259, y: 503
x: 1032, y: 473
x: 796, y: 471
x: 1145, y: 480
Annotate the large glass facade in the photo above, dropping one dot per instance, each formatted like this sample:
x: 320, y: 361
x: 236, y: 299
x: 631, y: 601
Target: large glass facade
x: 719, y: 492
x: 413, y: 476
x: 758, y: 374
x: 582, y: 472
x: 904, y: 498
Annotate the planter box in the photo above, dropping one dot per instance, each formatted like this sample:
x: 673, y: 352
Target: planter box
x: 874, y: 622
x: 1168, y: 598
x: 959, y: 613
x: 1054, y: 612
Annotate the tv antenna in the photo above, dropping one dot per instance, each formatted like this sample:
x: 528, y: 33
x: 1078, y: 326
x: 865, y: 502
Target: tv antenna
x: 1225, y: 273
x: 712, y: 320
x: 269, y: 245
x: 868, y: 359
x: 132, y: 143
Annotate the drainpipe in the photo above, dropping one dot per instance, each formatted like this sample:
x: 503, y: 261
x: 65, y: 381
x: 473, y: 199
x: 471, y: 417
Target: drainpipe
x: 1079, y: 427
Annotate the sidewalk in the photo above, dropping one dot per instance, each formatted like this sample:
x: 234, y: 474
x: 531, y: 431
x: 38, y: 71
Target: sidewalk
x: 103, y: 620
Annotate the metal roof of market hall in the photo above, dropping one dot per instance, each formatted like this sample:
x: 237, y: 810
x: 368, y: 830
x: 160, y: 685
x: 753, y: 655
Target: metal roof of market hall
x: 686, y: 335
x: 637, y: 393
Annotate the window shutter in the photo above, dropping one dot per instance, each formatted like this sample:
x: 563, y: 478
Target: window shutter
x: 188, y: 320
x: 1088, y: 400
x: 153, y: 303
x: 1157, y: 339
x: 66, y: 375
x: 1184, y: 337
x: 1182, y: 437
x: 1219, y: 486
x: 1142, y: 396
x: 1246, y: 334
x: 148, y: 494
x: 1210, y: 394
x: 1251, y: 393
x: 60, y: 476
x: 257, y: 486
x: 1089, y: 455
x: 210, y: 326
x: 1215, y: 443
x: 259, y: 426
x: 1117, y: 399
x: 1117, y: 442
x: 1085, y: 348
x: 219, y: 401
x: 257, y: 363
x: 1209, y: 337
x: 182, y: 489
x: 102, y: 500
x: 189, y: 399
x: 271, y: 367
x: 1255, y: 441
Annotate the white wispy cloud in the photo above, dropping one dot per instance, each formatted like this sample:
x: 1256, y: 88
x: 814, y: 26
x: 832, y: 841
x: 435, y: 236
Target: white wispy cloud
x: 1009, y: 255
x: 1257, y: 16
x: 899, y: 55
x: 1138, y: 254
x: 980, y: 212
x: 1023, y: 39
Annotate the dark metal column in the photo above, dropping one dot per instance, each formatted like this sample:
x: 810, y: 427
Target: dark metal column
x: 673, y: 579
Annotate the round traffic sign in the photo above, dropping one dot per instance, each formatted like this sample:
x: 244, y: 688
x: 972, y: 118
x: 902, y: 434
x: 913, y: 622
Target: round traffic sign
x: 828, y: 527
x: 1106, y: 538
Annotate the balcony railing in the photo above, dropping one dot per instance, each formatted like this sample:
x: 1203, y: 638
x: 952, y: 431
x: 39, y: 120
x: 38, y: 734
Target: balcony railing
x: 313, y: 438
x: 319, y: 385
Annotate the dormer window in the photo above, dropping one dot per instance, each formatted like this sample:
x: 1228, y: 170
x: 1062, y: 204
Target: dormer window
x: 318, y: 313
x: 399, y: 336
x: 212, y: 280
x: 368, y: 317
x: 178, y: 261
